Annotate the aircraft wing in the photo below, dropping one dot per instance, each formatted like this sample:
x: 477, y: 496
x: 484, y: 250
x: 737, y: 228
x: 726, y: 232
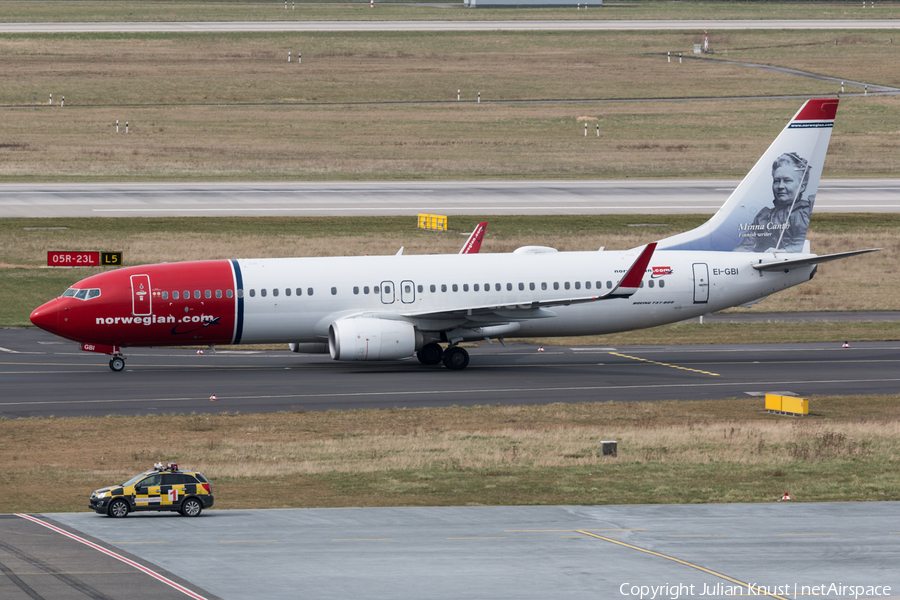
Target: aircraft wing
x: 788, y: 264
x: 491, y: 314
x: 473, y: 244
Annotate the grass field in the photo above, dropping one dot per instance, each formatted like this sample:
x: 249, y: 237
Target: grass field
x: 668, y: 452
x: 230, y: 106
x: 269, y: 10
x: 24, y: 285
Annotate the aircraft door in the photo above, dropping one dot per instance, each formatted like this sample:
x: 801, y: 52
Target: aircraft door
x: 140, y: 296
x: 701, y: 283
x: 407, y: 292
x: 387, y: 292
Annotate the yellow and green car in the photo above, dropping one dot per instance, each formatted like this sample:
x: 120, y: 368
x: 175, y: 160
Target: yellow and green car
x: 161, y: 488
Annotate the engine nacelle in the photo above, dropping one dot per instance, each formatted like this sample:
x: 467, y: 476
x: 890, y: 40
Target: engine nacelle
x: 372, y: 339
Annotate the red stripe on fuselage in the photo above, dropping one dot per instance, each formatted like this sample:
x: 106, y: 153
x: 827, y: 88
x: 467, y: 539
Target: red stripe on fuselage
x: 109, y: 318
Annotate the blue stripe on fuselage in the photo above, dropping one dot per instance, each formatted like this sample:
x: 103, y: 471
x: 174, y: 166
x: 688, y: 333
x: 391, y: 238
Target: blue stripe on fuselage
x: 239, y: 296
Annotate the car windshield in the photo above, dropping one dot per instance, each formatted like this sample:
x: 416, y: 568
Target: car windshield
x: 134, y: 480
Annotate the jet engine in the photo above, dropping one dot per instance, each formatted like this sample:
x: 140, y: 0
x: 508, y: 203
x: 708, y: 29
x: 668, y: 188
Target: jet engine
x: 372, y: 339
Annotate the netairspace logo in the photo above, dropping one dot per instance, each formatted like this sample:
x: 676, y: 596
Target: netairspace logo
x: 681, y: 590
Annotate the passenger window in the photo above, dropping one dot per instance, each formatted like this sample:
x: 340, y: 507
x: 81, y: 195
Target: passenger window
x: 497, y: 287
x: 577, y: 285
x: 433, y: 288
x: 642, y: 284
x: 356, y: 290
x: 421, y: 288
x: 309, y: 291
x: 218, y: 293
x: 609, y: 285
x: 662, y: 283
x: 197, y: 294
x: 375, y: 290
x: 263, y: 292
x: 487, y: 287
x: 443, y: 287
x: 475, y: 287
x: 587, y: 285
x: 334, y: 291
x: 543, y: 285
x: 287, y: 291
x: 455, y: 288
x: 207, y: 294
x: 521, y: 287
x: 165, y: 295
x: 599, y: 285
x: 555, y: 285
x: 275, y: 291
x: 240, y: 293
x: 566, y: 284
x: 365, y: 289
x: 299, y: 291
x: 252, y: 293
x: 229, y: 294
x: 465, y: 287
x: 531, y: 286
x: 650, y: 283
x: 187, y: 294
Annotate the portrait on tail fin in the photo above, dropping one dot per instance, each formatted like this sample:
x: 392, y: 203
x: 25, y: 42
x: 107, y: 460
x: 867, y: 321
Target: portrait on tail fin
x: 783, y: 225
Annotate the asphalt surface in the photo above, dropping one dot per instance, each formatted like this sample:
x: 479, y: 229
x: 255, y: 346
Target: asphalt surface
x: 518, y: 552
x: 41, y: 375
x: 580, y: 25
x: 409, y: 198
x: 37, y: 563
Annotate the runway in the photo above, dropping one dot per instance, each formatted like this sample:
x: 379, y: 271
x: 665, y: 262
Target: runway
x: 535, y: 25
x: 699, y: 196
x: 516, y: 552
x: 41, y: 375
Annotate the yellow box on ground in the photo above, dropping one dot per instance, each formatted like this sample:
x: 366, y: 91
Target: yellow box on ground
x: 436, y: 222
x: 789, y: 404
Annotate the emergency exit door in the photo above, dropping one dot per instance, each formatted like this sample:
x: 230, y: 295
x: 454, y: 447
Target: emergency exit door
x: 701, y: 283
x: 140, y: 296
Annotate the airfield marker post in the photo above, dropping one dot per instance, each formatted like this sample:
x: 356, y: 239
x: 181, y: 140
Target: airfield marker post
x: 51, y: 100
x: 585, y: 130
x: 479, y: 97
x: 299, y: 58
x: 117, y: 126
x: 598, y: 129
x: 679, y: 58
x: 289, y: 56
x: 457, y: 95
x: 126, y: 127
x: 63, y: 102
x: 842, y: 87
x: 866, y: 90
x: 668, y: 57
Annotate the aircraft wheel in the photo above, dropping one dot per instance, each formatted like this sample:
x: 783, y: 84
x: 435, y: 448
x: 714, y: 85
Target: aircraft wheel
x: 117, y: 363
x: 456, y: 358
x: 430, y: 354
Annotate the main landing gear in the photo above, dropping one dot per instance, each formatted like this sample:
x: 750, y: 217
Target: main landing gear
x: 117, y: 363
x: 454, y: 357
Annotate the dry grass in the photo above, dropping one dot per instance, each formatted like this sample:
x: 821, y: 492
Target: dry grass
x: 668, y: 452
x: 268, y: 10
x: 230, y: 106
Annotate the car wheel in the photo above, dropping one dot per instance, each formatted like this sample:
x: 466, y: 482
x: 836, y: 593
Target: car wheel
x: 191, y: 508
x: 118, y: 509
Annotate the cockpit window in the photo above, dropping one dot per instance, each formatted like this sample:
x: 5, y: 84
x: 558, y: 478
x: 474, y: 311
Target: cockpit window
x: 82, y: 294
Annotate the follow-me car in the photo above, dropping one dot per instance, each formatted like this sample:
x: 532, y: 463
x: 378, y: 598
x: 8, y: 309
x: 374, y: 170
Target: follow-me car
x: 162, y: 488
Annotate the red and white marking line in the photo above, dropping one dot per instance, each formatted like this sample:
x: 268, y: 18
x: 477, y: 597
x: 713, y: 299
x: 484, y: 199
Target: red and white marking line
x: 137, y: 566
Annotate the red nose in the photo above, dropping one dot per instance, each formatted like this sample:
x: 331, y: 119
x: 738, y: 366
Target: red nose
x: 46, y: 316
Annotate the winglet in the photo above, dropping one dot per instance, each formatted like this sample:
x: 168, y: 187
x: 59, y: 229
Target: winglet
x: 632, y: 280
x: 473, y: 244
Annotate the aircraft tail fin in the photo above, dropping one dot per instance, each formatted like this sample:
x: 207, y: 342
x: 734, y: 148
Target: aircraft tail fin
x: 770, y: 209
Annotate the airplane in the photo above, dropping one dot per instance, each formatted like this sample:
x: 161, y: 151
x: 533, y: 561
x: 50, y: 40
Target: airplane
x: 384, y: 308
x: 473, y: 244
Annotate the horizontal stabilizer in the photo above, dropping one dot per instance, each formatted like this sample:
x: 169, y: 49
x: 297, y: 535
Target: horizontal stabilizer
x: 788, y: 264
